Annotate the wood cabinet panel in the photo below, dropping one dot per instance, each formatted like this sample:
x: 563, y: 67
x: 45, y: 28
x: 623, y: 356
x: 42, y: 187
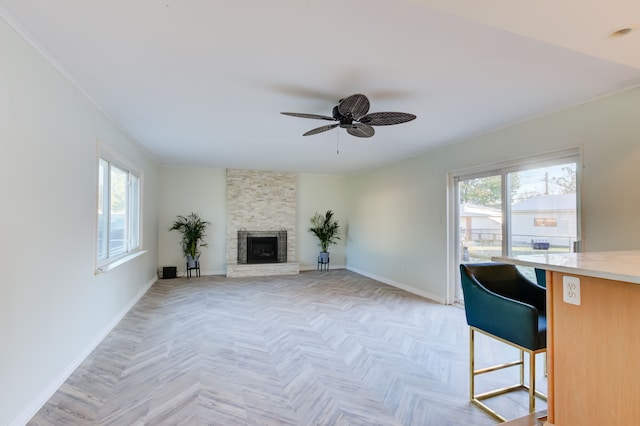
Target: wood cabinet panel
x: 594, y: 353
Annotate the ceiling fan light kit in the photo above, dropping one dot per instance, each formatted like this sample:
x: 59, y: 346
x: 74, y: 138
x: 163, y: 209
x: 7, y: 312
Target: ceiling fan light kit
x: 351, y: 114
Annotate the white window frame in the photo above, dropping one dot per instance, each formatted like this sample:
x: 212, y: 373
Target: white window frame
x: 133, y: 246
x: 537, y: 160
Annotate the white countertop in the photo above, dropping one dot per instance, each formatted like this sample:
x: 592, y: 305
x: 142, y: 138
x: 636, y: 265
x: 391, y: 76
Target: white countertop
x: 610, y: 265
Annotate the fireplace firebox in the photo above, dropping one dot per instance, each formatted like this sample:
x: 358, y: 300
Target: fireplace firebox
x: 262, y: 249
x: 262, y: 246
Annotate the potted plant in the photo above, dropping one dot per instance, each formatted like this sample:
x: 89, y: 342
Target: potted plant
x: 326, y: 228
x: 192, y: 228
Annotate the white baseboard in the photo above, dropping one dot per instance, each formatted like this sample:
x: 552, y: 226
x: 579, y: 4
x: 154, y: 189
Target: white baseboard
x: 404, y: 287
x: 34, y: 406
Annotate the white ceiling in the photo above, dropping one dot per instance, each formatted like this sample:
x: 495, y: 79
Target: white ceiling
x: 200, y: 83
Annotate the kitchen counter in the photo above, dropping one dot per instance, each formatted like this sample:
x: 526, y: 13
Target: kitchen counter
x: 593, y: 336
x: 611, y: 265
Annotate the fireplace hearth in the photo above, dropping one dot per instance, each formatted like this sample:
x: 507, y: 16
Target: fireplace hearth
x: 262, y: 246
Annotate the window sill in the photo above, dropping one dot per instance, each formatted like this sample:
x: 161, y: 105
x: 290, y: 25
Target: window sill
x: 120, y: 261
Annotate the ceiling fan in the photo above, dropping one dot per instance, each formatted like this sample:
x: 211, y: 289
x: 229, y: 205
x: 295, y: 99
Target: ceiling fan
x: 351, y: 114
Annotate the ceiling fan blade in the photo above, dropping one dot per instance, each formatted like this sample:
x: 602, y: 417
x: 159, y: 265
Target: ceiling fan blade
x: 355, y: 106
x: 321, y: 129
x: 361, y: 130
x: 386, y: 118
x: 303, y: 115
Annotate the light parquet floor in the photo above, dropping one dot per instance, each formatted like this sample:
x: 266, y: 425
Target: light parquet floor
x: 319, y: 348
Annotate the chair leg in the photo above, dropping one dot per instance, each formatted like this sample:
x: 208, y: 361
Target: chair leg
x: 532, y: 382
x: 521, y: 367
x: 530, y: 388
x: 472, y: 378
x: 472, y: 367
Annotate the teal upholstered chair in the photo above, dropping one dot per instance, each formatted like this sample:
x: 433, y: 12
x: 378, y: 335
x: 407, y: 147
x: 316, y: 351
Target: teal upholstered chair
x: 502, y: 303
x: 541, y: 277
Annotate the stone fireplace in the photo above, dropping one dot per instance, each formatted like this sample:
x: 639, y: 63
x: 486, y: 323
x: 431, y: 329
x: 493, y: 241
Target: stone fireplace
x: 261, y: 205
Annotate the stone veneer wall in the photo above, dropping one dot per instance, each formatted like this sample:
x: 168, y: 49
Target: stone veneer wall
x: 260, y: 201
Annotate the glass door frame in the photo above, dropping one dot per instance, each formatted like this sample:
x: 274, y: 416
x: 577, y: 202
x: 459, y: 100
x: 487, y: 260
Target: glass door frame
x: 502, y: 169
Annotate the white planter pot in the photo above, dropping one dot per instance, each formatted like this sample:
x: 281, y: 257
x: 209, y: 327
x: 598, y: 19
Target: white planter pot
x: 192, y: 262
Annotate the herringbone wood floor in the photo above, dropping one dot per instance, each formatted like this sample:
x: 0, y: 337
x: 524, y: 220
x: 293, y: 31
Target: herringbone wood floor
x: 319, y: 348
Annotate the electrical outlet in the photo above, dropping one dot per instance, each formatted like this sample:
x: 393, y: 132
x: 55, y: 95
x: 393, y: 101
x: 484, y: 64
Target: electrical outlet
x: 571, y: 290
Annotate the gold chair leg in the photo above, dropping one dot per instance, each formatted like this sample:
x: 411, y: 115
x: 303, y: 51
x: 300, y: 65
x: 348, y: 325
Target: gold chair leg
x: 521, y: 367
x: 531, y: 388
x: 472, y: 376
x: 532, y: 382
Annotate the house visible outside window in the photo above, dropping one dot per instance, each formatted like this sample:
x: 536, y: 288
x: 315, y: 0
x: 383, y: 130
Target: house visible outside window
x: 118, y: 233
x: 551, y: 222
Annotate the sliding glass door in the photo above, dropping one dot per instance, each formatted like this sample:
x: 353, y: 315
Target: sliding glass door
x: 520, y: 208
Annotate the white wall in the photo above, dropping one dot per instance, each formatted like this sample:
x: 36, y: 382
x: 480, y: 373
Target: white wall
x: 398, y: 214
x: 203, y: 190
x: 53, y: 309
x: 397, y: 231
x: 186, y: 190
x: 319, y: 193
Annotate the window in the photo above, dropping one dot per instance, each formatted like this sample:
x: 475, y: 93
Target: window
x: 118, y: 231
x: 545, y: 221
x: 522, y: 207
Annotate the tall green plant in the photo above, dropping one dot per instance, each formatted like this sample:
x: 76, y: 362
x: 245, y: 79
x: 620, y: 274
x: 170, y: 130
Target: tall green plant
x: 325, y: 228
x: 192, y: 228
